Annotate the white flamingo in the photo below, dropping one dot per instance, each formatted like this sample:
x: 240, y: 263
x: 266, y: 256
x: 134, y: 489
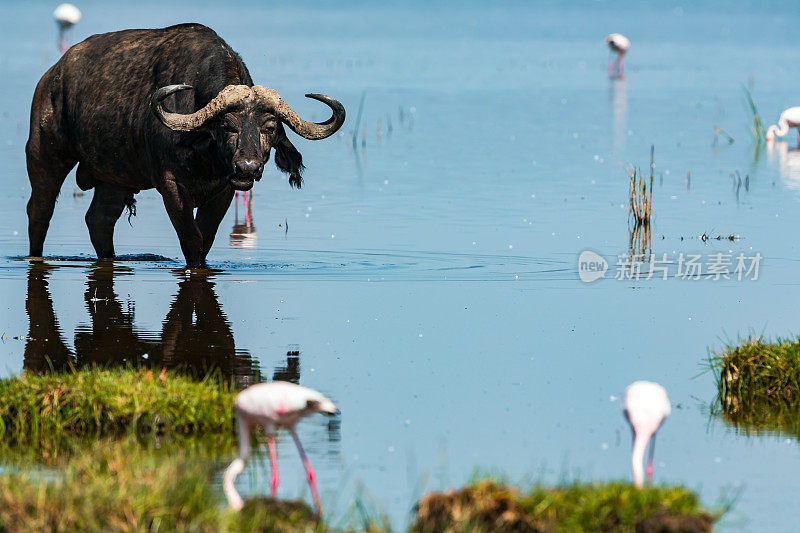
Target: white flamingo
x: 273, y: 405
x: 618, y: 44
x: 790, y: 118
x: 66, y: 15
x: 646, y: 405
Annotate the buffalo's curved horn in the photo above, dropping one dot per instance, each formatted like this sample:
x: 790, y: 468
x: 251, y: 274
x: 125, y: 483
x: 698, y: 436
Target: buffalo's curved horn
x: 230, y: 96
x: 310, y: 130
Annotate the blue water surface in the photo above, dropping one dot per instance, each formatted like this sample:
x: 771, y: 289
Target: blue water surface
x: 427, y: 280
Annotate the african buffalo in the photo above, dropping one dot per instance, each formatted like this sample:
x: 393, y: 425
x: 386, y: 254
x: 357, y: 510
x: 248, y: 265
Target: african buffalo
x: 104, y: 106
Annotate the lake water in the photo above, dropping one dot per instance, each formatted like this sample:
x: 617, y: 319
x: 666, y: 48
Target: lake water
x: 427, y: 280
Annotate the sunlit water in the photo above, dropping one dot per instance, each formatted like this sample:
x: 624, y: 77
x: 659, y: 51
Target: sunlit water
x: 427, y: 281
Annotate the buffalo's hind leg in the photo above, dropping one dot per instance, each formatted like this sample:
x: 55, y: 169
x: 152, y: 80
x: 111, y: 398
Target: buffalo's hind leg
x: 104, y: 211
x: 46, y: 177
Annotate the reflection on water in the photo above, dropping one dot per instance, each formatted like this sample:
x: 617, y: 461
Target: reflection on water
x: 291, y: 371
x: 787, y: 161
x: 619, y: 109
x: 771, y: 412
x: 756, y: 418
x: 639, y: 243
x: 244, y: 234
x: 196, y: 336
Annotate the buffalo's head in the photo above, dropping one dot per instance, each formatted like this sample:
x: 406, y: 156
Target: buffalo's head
x: 246, y: 122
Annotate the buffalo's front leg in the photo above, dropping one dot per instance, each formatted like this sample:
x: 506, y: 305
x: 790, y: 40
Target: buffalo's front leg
x: 180, y: 210
x: 209, y: 216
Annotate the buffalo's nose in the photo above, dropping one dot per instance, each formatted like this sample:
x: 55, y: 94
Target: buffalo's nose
x: 248, y: 167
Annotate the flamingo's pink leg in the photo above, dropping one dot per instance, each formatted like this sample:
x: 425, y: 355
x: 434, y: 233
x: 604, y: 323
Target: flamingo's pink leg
x: 620, y: 66
x: 610, y: 68
x: 312, y: 478
x: 273, y: 463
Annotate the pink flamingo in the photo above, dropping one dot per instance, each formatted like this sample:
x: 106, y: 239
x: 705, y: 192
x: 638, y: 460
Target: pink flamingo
x: 646, y: 405
x: 618, y: 44
x: 272, y: 405
x: 236, y: 196
x: 790, y: 118
x: 244, y: 235
x: 66, y: 15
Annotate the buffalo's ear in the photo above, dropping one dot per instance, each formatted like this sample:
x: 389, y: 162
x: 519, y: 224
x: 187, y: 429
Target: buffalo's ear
x: 289, y: 160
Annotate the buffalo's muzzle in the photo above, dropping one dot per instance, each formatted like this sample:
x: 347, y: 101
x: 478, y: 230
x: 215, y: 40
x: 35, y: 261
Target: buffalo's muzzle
x: 249, y: 168
x: 241, y: 183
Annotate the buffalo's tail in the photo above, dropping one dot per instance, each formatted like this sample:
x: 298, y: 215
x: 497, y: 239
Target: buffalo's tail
x: 130, y: 205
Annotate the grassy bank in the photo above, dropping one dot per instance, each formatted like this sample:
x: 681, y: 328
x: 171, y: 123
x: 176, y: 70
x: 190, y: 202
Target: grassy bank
x: 119, y: 485
x: 36, y: 409
x: 487, y: 505
x: 758, y: 385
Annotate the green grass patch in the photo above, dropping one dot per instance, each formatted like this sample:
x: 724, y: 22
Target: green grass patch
x: 40, y: 409
x: 488, y: 505
x: 120, y: 485
x: 758, y: 385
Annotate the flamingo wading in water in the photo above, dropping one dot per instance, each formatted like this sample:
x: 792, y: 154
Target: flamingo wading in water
x: 273, y: 405
x: 66, y: 15
x: 618, y: 44
x: 646, y: 406
x: 790, y: 118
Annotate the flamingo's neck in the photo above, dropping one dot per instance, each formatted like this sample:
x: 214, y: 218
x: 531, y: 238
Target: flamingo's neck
x: 243, y: 434
x: 62, y: 41
x: 236, y: 467
x: 780, y: 130
x: 640, y: 441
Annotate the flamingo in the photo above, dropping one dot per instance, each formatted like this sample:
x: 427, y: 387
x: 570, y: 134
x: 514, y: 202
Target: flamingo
x: 646, y: 406
x: 244, y: 235
x: 272, y: 405
x: 619, y: 44
x: 790, y: 118
x: 66, y: 15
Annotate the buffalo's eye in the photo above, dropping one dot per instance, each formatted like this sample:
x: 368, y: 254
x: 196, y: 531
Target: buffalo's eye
x: 269, y: 127
x: 227, y: 127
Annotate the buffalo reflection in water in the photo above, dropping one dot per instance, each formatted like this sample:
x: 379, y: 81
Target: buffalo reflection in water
x: 195, y: 339
x: 196, y: 336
